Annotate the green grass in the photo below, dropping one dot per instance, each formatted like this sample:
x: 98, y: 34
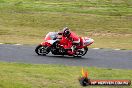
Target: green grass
x: 18, y: 75
x: 26, y: 21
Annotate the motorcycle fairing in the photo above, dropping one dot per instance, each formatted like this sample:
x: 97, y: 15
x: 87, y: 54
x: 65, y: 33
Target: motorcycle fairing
x: 51, y: 36
x: 87, y: 41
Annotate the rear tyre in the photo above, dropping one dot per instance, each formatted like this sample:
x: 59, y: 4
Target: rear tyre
x: 85, y: 50
x: 81, y: 53
x: 41, y: 50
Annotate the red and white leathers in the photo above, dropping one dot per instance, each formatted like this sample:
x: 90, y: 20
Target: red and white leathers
x: 67, y: 42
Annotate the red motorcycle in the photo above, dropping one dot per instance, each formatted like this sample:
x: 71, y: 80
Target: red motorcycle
x: 52, y: 44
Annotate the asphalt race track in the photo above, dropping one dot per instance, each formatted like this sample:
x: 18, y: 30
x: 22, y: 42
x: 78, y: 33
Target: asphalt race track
x: 106, y: 58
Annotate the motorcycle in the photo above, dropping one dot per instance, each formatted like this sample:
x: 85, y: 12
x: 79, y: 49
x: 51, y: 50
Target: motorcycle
x: 52, y: 44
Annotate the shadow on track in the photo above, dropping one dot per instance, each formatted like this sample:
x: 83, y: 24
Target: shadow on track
x: 64, y: 57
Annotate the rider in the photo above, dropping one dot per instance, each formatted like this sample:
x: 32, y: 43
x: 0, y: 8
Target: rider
x: 68, y: 38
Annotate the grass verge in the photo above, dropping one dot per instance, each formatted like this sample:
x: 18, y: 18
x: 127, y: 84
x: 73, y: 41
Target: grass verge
x: 26, y: 21
x: 18, y: 75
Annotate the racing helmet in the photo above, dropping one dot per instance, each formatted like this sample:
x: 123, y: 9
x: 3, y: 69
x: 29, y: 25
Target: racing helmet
x: 66, y: 32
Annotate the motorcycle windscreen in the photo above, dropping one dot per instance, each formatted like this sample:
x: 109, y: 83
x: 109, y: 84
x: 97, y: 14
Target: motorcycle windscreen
x: 51, y: 36
x: 87, y: 41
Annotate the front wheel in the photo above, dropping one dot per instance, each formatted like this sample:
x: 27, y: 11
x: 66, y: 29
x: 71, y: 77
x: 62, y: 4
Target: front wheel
x: 41, y: 50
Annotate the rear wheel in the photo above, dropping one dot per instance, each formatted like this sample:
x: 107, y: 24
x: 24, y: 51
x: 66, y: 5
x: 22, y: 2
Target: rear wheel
x: 85, y: 51
x: 81, y: 52
x: 41, y: 50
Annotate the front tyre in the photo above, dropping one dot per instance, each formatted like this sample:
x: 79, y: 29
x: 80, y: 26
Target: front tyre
x: 41, y: 50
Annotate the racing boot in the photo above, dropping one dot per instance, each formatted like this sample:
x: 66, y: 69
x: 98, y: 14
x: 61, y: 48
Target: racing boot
x: 70, y: 51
